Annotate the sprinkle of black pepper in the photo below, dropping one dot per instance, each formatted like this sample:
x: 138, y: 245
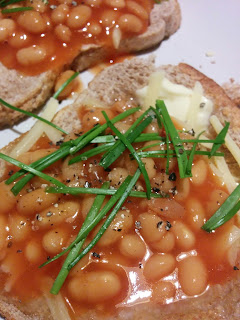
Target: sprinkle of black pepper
x: 202, y: 105
x: 159, y: 224
x: 119, y: 230
x: 95, y: 124
x: 68, y: 180
x: 86, y: 184
x: 10, y: 172
x: 96, y: 255
x: 48, y: 257
x: 191, y: 132
x: 172, y: 176
x: 138, y: 225
x: 59, y: 142
x: 140, y: 265
x: 129, y: 201
x: 235, y: 268
x: 155, y: 189
x: 19, y: 251
x: 173, y: 191
x: 180, y: 151
x: 108, y: 169
x: 168, y: 226
x: 9, y: 245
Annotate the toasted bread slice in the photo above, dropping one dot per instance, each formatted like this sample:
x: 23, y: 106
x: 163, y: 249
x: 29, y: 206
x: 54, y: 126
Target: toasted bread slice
x: 29, y: 93
x: 121, y: 82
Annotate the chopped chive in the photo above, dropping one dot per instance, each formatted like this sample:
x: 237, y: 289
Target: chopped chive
x: 225, y: 212
x: 132, y: 150
x: 65, y: 84
x: 19, y: 9
x: 77, y: 190
x: 4, y: 3
x: 32, y: 170
x: 177, y: 142
x: 220, y: 137
x: 104, y: 139
x: 116, y: 150
x: 129, y: 184
x: 30, y: 114
x: 172, y: 153
x: 62, y: 275
x: 191, y: 156
x: 65, y: 150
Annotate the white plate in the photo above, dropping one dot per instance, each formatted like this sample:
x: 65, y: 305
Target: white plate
x: 208, y: 39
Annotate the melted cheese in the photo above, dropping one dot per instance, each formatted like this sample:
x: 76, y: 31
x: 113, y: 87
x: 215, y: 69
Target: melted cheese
x: 186, y: 105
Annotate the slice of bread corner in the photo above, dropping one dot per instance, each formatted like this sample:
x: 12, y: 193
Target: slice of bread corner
x: 121, y: 81
x: 29, y: 93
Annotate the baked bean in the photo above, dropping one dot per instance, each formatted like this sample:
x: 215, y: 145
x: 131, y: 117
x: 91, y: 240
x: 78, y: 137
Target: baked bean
x: 19, y: 227
x: 7, y: 27
x: 130, y: 23
x: 95, y: 29
x: 199, y: 172
x: 117, y: 176
x: 217, y: 198
x: 32, y: 156
x: 152, y: 128
x: 59, y: 14
x: 38, y: 5
x: 63, y: 33
x: 95, y: 116
x: 152, y: 227
x: 137, y: 9
x: 130, y: 165
x: 192, y: 275
x: 161, y: 181
x: 171, y: 164
x: 95, y: 286
x: 120, y: 225
x: 116, y: 3
x: 79, y: 16
x: 183, y: 189
x: 35, y: 201
x: 150, y: 167
x: 162, y: 291
x: 3, y: 232
x: 33, y: 251
x: 8, y: 200
x: 73, y: 171
x: 69, y: 2
x: 159, y: 266
x: 155, y: 148
x: 109, y: 17
x: 122, y: 127
x: 166, y: 244
x: 185, y: 238
x: 32, y: 21
x: 195, y: 213
x: 167, y: 208
x: 31, y: 55
x: 93, y: 3
x: 77, y: 269
x: 54, y: 240
x: 132, y: 246
x: 64, y: 76
x: 19, y: 39
x: 56, y: 214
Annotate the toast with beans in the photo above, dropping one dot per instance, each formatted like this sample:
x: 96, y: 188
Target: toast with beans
x: 121, y: 82
x: 30, y: 92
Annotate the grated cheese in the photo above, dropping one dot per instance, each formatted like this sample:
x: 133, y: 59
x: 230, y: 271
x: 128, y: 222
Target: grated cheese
x: 37, y: 130
x: 230, y: 144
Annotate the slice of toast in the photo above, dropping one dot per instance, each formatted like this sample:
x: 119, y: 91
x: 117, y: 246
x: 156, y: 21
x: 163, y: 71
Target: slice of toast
x: 121, y: 82
x: 29, y: 93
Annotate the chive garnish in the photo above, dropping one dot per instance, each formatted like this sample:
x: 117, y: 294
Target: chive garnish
x: 78, y: 246
x: 78, y: 190
x: 30, y: 114
x: 191, y: 156
x: 65, y: 84
x: 32, y: 170
x: 126, y: 187
x: 19, y: 9
x: 4, y: 3
x: 126, y: 142
x: 225, y: 212
x: 220, y: 137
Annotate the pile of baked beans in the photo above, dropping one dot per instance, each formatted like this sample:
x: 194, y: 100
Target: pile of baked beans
x: 52, y: 34
x: 159, y: 240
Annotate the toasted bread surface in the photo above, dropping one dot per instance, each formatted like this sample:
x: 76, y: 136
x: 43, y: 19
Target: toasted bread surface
x: 29, y: 93
x: 121, y: 82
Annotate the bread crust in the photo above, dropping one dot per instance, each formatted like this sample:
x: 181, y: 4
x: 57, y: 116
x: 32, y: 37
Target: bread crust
x: 29, y: 93
x: 220, y: 301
